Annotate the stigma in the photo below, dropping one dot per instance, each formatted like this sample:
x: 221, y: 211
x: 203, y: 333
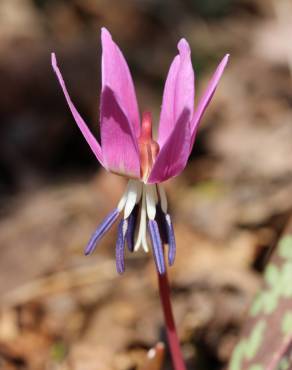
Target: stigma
x: 148, y: 148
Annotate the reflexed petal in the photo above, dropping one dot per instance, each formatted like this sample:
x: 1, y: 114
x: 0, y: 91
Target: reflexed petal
x: 119, y: 144
x: 178, y: 92
x: 173, y: 156
x: 116, y: 75
x: 207, y: 96
x: 91, y: 140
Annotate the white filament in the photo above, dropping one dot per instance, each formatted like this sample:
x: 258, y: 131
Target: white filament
x: 122, y: 201
x: 141, y: 238
x: 134, y: 191
x: 151, y: 200
x: 125, y: 227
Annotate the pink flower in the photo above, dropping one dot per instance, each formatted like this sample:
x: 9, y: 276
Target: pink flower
x: 128, y: 148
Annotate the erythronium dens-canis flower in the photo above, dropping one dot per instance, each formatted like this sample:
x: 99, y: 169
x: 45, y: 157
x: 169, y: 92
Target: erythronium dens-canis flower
x: 128, y: 148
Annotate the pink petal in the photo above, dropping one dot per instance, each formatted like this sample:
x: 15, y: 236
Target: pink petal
x: 116, y: 75
x: 207, y: 96
x: 91, y: 140
x: 173, y: 156
x: 118, y: 141
x: 178, y: 92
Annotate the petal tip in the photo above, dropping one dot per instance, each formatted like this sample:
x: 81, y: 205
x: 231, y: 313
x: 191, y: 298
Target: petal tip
x: 225, y: 60
x: 105, y: 34
x: 53, y: 60
x: 183, y: 46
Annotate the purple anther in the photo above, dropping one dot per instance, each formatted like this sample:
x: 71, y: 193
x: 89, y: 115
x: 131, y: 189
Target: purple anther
x: 102, y: 228
x: 120, y: 246
x: 157, y: 246
x: 132, y: 221
x: 170, y: 239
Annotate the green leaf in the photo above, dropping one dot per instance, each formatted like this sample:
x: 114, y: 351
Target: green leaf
x: 285, y: 247
x: 286, y: 324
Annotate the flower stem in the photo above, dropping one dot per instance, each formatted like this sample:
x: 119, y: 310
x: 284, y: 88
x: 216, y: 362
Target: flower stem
x: 173, y: 342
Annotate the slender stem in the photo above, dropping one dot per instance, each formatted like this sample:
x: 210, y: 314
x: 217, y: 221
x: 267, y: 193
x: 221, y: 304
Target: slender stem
x: 173, y: 342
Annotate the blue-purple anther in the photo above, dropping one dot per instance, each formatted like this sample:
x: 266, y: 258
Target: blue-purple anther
x: 157, y: 246
x: 166, y: 233
x: 120, y: 246
x: 102, y: 228
x: 170, y: 239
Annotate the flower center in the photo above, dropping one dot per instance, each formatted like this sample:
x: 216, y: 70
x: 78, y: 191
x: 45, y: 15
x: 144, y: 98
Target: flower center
x: 145, y: 208
x: 148, y: 147
x: 140, y: 201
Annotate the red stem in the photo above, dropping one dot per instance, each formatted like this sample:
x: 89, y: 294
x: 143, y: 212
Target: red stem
x: 173, y: 342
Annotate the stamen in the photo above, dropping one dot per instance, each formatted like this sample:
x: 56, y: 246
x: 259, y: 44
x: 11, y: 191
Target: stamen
x: 153, y: 206
x: 171, y: 239
x: 141, y: 238
x: 102, y: 228
x: 157, y: 246
x: 132, y: 221
x: 123, y: 200
x: 134, y: 192
x: 151, y: 200
x: 165, y: 225
x: 120, y: 246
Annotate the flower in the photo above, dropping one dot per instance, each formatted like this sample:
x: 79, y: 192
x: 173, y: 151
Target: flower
x: 128, y: 148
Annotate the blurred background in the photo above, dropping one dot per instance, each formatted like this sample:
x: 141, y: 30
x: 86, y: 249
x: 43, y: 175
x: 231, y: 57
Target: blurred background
x: 61, y: 310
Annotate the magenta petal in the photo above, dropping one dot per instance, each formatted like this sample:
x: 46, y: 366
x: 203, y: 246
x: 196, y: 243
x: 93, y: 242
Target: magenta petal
x: 116, y: 75
x: 91, y: 140
x: 207, y: 96
x: 173, y: 156
x: 178, y: 92
x: 118, y: 141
